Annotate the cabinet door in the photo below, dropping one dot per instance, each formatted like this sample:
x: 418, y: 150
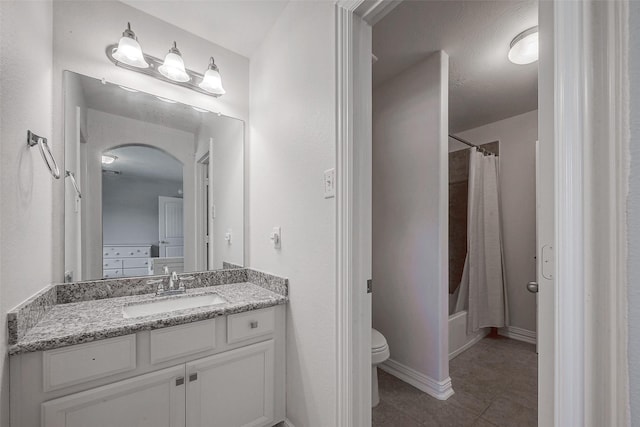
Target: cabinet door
x: 151, y: 400
x: 232, y: 389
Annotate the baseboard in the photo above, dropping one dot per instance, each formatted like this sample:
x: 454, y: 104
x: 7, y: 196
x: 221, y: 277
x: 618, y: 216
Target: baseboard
x: 519, y: 334
x: 288, y: 423
x: 441, y: 390
x: 481, y: 334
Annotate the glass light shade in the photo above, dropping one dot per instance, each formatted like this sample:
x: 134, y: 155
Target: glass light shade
x: 129, y: 51
x: 524, y: 47
x: 212, y: 82
x: 173, y: 66
x: 107, y: 159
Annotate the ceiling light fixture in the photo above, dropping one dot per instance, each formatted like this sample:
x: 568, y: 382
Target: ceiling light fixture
x: 128, y: 54
x: 212, y: 82
x: 107, y: 159
x: 524, y: 47
x: 129, y: 51
x: 173, y: 66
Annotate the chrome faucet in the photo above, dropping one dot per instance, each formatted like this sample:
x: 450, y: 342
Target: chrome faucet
x: 175, y: 285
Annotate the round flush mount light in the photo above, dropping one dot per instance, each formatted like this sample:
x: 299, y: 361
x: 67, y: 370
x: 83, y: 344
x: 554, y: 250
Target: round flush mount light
x: 107, y: 159
x: 524, y: 47
x: 129, y: 51
x: 173, y: 66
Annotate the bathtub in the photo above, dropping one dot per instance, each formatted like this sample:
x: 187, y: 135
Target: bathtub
x: 459, y: 340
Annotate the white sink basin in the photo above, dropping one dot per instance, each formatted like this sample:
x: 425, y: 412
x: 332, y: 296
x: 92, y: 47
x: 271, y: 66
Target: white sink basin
x: 173, y: 304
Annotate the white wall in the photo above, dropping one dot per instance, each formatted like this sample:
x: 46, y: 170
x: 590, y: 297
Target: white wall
x: 106, y: 131
x: 130, y: 208
x: 293, y: 129
x: 633, y: 214
x: 517, y: 136
x: 25, y: 183
x: 81, y: 32
x: 410, y: 216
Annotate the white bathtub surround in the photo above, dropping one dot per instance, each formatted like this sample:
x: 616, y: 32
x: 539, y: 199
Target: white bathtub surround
x: 482, y: 291
x: 459, y: 338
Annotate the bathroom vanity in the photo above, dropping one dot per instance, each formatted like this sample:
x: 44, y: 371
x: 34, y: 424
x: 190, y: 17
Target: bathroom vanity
x: 84, y: 356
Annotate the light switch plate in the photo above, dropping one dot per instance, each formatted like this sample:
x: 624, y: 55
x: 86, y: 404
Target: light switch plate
x: 329, y: 183
x: 276, y: 237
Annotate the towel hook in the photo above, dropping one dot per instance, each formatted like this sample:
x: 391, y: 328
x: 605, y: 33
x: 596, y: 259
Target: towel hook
x: 33, y: 139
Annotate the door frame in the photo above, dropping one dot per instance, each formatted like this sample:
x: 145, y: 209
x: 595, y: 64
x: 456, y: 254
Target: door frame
x: 587, y: 354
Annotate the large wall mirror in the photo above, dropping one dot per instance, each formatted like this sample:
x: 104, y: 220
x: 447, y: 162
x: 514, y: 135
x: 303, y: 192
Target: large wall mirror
x: 151, y: 184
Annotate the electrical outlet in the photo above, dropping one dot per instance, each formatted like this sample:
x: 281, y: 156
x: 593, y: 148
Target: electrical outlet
x: 329, y: 183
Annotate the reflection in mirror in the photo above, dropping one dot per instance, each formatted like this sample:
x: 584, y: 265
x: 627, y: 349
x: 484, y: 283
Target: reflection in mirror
x: 161, y: 184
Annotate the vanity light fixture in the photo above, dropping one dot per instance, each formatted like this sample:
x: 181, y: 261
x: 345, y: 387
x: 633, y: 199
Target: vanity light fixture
x: 107, y: 159
x: 173, y: 66
x: 128, y: 54
x: 212, y: 82
x: 524, y: 47
x: 129, y: 51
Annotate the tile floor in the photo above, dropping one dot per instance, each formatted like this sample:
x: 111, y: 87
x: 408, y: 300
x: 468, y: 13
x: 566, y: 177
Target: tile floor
x: 495, y: 384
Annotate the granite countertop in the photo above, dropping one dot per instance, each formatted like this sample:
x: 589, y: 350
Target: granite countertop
x: 86, y: 321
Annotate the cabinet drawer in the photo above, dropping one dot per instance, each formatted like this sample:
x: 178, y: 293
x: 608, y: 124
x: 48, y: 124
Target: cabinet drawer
x: 108, y: 274
x: 183, y: 340
x: 136, y: 251
x: 135, y: 263
x: 250, y: 324
x: 112, y: 263
x: 128, y: 272
x: 84, y: 362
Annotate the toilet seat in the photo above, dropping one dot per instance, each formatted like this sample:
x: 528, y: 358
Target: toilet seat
x: 379, y: 348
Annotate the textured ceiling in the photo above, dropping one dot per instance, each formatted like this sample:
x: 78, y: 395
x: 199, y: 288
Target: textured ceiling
x: 238, y: 25
x: 484, y: 86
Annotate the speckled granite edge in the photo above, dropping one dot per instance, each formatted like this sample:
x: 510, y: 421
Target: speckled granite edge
x: 26, y: 315
x: 279, y: 285
x: 128, y: 286
x: 86, y: 321
x: 229, y: 265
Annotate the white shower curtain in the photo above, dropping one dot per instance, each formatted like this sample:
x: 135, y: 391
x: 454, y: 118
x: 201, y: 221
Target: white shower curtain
x: 482, y: 291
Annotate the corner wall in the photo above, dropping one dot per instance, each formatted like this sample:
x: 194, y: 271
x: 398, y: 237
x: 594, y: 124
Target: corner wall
x: 293, y: 141
x: 26, y: 185
x: 517, y: 136
x: 410, y: 219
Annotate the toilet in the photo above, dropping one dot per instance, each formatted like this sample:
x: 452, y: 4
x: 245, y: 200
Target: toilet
x: 379, y: 353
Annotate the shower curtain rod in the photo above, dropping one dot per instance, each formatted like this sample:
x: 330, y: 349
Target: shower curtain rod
x: 470, y: 144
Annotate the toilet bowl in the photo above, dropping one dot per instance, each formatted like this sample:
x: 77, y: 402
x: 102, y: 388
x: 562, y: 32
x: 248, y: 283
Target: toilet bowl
x: 379, y: 353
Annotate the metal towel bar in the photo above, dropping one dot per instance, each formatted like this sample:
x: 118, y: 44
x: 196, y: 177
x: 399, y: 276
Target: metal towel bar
x: 72, y: 177
x: 49, y: 160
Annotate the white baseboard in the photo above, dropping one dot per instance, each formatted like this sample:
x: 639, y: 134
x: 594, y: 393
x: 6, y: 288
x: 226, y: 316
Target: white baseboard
x: 481, y: 334
x: 441, y: 390
x: 519, y: 334
x: 288, y: 423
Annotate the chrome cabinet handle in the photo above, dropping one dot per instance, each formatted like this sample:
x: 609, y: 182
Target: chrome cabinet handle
x: 179, y: 381
x: 193, y: 377
x: 532, y: 287
x: 253, y: 324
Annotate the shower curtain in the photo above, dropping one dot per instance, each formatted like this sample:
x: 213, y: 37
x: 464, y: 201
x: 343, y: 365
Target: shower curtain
x: 482, y: 291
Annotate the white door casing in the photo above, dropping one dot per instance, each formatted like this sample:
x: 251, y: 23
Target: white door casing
x: 171, y: 226
x: 580, y: 351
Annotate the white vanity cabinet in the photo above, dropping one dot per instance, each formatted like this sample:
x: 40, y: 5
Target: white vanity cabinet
x: 208, y: 378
